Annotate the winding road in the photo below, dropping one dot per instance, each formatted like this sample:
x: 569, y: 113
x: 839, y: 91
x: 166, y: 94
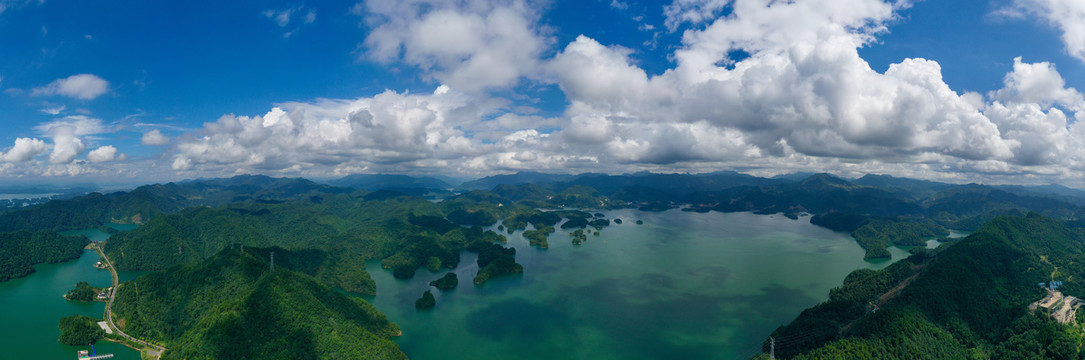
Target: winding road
x: 157, y: 350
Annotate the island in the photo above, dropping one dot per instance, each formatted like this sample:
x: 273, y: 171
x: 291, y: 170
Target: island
x: 84, y: 292
x: 78, y: 330
x: 426, y: 301
x: 447, y: 282
x: 494, y: 261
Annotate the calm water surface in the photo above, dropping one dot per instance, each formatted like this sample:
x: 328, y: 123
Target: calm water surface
x: 682, y: 285
x: 33, y: 305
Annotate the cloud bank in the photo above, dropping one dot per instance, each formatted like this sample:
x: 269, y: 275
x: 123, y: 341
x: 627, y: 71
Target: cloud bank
x: 800, y: 98
x: 803, y: 99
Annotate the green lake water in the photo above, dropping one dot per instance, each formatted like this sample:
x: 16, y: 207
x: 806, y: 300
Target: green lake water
x: 682, y: 285
x: 33, y: 305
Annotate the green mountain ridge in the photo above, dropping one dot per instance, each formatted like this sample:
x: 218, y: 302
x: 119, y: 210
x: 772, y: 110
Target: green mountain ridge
x: 233, y: 306
x: 967, y: 300
x: 330, y: 240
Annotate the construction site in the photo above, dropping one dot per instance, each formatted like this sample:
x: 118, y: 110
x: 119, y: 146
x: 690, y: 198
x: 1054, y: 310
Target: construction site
x: 1061, y: 308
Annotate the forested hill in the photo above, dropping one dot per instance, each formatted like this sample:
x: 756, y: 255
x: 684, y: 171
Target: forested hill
x: 969, y: 300
x: 333, y: 238
x: 21, y: 250
x: 330, y: 239
x: 233, y: 306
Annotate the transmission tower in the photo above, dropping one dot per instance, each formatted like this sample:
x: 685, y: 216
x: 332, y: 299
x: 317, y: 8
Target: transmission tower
x: 272, y: 261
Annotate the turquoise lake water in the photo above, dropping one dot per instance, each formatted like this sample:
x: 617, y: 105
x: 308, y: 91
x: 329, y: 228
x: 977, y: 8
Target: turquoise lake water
x: 33, y: 305
x: 681, y: 286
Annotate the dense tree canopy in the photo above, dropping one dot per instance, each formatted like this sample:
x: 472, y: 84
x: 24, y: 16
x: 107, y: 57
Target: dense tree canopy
x: 233, y: 306
x: 78, y: 330
x: 82, y: 292
x: 20, y: 250
x: 969, y: 300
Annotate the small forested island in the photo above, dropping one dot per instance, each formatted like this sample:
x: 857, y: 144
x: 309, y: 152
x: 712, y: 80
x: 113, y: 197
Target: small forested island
x: 83, y: 292
x: 495, y: 260
x: 426, y: 301
x: 539, y: 236
x: 447, y: 282
x: 78, y: 330
x: 21, y: 250
x: 579, y: 237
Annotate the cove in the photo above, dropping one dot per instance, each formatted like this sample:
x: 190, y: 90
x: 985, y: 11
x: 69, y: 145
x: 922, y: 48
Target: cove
x: 682, y: 285
x: 33, y: 305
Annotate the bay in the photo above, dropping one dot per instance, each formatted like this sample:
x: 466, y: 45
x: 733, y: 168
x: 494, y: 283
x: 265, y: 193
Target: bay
x: 33, y: 305
x: 682, y: 285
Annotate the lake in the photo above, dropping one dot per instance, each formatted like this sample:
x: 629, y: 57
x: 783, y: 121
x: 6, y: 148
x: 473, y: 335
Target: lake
x: 682, y: 285
x: 33, y: 306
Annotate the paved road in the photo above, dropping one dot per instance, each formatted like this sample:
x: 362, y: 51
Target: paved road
x: 158, y: 350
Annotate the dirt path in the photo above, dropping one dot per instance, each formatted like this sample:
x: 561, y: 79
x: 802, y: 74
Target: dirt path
x: 889, y: 295
x: 892, y: 293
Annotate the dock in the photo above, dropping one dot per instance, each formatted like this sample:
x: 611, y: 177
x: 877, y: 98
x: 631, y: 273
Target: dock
x: 96, y: 357
x: 85, y: 355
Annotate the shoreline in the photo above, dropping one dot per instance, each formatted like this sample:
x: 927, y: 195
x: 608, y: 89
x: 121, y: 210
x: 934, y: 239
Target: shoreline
x: 148, y: 349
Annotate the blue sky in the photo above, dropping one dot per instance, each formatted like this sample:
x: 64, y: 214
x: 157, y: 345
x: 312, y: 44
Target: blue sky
x: 133, y: 91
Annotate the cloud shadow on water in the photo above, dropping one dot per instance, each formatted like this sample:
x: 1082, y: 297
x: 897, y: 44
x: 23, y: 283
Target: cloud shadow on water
x: 642, y: 321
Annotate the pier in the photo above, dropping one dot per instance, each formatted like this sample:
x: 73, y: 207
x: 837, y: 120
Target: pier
x: 85, y: 355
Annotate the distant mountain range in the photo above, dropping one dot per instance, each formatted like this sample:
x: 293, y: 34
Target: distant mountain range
x: 385, y: 181
x: 869, y: 200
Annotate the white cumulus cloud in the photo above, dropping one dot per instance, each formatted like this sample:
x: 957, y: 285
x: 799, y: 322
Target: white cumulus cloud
x: 387, y: 128
x: 467, y: 44
x: 102, y: 154
x: 82, y: 86
x: 65, y: 149
x: 1038, y: 83
x: 24, y: 149
x: 154, y: 138
x: 802, y: 100
x: 67, y: 134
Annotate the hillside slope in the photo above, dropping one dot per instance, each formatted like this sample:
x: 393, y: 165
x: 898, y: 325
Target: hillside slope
x: 967, y: 301
x: 232, y: 306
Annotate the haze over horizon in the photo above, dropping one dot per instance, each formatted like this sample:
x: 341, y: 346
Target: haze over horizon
x: 147, y: 92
